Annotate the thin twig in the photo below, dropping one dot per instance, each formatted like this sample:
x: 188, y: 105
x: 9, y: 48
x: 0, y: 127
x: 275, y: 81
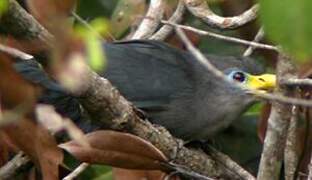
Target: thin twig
x: 310, y: 170
x: 297, y: 82
x: 222, y: 37
x: 230, y: 164
x: 177, y: 16
x: 188, y: 172
x: 89, y: 27
x: 149, y: 25
x: 259, y: 36
x: 200, y: 9
x: 54, y: 122
x: 77, y: 171
x: 281, y: 98
x: 15, y: 52
x: 9, y: 170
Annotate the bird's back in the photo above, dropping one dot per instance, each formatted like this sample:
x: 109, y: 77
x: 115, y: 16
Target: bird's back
x: 147, y: 73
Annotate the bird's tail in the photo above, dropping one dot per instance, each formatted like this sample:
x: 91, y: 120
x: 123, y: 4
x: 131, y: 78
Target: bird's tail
x: 53, y: 94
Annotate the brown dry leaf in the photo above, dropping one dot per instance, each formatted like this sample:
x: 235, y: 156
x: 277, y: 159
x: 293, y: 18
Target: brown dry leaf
x: 47, y: 10
x: 36, y: 142
x: 117, y: 149
x: 27, y: 46
x: 23, y: 132
x: 4, y: 150
x: 53, y: 15
x: 18, y: 93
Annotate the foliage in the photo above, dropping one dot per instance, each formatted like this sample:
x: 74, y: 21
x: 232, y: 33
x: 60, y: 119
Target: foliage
x: 3, y: 6
x: 288, y: 23
x: 93, y: 41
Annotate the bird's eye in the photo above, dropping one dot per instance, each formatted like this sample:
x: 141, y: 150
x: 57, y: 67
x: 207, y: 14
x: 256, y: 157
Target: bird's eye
x: 239, y: 76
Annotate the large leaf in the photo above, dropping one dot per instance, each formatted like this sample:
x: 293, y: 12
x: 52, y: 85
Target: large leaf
x: 36, y: 142
x: 288, y: 23
x: 117, y: 149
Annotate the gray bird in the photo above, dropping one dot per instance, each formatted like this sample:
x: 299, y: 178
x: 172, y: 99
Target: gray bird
x: 170, y: 85
x: 177, y: 92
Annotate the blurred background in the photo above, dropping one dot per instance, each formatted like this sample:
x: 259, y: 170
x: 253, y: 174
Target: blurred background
x: 242, y: 140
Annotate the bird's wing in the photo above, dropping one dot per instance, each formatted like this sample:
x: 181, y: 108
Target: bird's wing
x: 147, y: 73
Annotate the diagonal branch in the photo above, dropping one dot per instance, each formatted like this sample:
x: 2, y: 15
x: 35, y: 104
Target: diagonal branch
x: 17, y: 22
x: 11, y: 168
x: 150, y: 23
x: 165, y: 31
x: 259, y: 36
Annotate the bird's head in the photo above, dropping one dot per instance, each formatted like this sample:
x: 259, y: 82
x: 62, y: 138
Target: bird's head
x: 265, y: 82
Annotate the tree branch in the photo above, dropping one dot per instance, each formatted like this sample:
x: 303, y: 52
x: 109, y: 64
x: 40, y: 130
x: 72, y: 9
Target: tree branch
x: 278, y: 123
x: 165, y: 31
x: 17, y: 22
x: 297, y: 82
x: 77, y: 171
x: 259, y: 36
x: 200, y: 9
x: 150, y: 23
x: 11, y: 168
x: 15, y: 52
x: 291, y: 154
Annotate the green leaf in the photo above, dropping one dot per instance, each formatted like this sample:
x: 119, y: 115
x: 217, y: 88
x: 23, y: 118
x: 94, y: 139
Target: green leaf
x: 288, y: 23
x: 4, y: 4
x: 94, y: 42
x: 254, y: 110
x: 95, y: 51
x: 97, y: 172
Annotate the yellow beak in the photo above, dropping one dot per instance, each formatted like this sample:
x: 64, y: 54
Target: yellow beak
x: 261, y: 82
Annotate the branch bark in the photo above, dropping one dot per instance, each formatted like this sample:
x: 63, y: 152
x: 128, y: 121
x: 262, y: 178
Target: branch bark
x: 107, y: 106
x: 200, y: 9
x: 151, y: 21
x: 259, y: 36
x: 291, y: 154
x: 11, y: 168
x: 278, y: 123
x: 17, y: 22
x: 166, y: 30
